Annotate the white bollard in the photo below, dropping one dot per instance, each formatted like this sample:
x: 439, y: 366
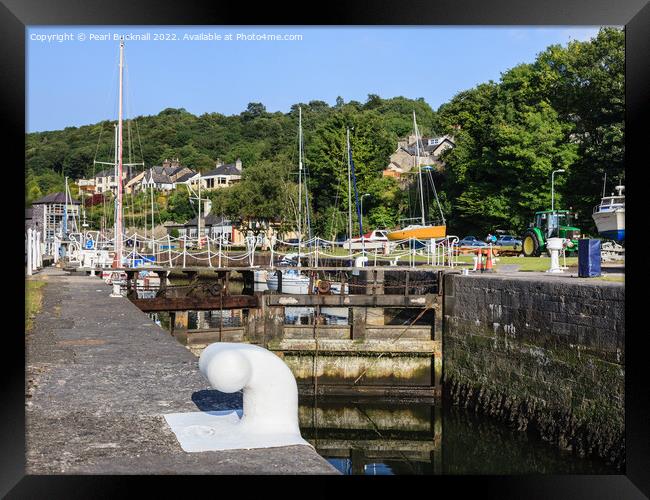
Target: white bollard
x: 116, y: 289
x: 359, y: 262
x: 269, y: 388
x: 41, y: 249
x: 269, y: 417
x: 555, y: 245
x: 37, y: 246
x: 34, y: 251
x: 30, y: 251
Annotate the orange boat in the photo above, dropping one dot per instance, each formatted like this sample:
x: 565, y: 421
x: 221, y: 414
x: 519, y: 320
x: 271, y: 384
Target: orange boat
x: 418, y: 231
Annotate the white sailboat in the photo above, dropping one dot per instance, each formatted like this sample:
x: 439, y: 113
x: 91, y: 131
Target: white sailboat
x: 421, y: 231
x: 291, y: 280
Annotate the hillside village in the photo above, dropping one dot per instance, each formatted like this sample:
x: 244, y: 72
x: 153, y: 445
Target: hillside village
x: 172, y: 176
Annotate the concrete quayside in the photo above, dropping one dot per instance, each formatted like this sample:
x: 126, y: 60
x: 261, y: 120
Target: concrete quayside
x: 100, y: 377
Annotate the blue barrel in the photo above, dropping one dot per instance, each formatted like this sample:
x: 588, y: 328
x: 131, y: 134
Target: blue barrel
x: 588, y: 258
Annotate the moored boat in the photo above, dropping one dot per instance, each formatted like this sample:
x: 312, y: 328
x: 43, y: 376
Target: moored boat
x: 376, y: 239
x: 609, y: 215
x: 418, y: 231
x: 293, y: 281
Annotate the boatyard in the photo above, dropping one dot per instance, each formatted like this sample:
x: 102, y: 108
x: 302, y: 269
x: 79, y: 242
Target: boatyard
x: 311, y: 292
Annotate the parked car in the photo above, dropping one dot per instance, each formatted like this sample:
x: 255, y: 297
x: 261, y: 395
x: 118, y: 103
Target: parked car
x: 507, y: 240
x: 471, y: 241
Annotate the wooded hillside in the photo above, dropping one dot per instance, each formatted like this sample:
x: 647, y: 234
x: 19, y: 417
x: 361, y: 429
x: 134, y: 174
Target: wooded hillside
x: 564, y: 110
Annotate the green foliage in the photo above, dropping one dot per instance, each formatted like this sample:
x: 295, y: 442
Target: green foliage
x: 565, y: 110
x: 179, y: 206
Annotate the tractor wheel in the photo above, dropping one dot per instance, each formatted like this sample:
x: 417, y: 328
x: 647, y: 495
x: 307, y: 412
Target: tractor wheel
x: 530, y: 245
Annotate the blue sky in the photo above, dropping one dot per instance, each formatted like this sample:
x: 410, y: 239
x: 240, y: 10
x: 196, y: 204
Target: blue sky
x: 73, y: 82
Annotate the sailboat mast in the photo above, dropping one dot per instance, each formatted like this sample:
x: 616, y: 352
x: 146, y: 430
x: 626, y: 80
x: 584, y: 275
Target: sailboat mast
x: 417, y: 159
x: 347, y: 142
x: 152, y: 223
x: 604, y: 184
x: 118, y: 218
x: 198, y: 220
x: 299, y: 181
x: 65, y: 210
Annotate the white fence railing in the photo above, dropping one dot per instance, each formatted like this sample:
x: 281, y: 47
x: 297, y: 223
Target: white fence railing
x: 218, y: 252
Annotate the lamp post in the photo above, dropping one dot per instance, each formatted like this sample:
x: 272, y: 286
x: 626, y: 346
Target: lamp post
x: 361, y: 203
x: 553, y: 186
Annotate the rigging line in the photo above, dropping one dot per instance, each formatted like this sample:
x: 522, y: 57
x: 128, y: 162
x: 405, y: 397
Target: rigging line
x: 133, y: 119
x: 337, y: 193
x: 436, y: 196
x: 356, y: 192
x: 109, y: 91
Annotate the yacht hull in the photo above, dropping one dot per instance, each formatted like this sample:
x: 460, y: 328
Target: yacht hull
x: 421, y: 233
x: 611, y: 225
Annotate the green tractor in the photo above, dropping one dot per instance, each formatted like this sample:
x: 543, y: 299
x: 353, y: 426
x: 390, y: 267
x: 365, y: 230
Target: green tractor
x: 550, y: 224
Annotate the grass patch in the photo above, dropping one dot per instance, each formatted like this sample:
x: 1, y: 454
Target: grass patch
x: 612, y: 278
x: 524, y: 263
x: 33, y: 301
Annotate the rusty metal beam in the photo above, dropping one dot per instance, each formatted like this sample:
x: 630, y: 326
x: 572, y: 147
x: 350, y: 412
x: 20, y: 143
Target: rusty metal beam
x: 196, y: 303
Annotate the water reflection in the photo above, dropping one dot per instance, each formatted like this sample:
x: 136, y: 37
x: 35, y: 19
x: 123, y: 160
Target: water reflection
x: 305, y: 315
x: 381, y: 438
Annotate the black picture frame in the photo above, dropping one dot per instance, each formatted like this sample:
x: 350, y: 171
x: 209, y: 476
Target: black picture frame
x: 15, y: 15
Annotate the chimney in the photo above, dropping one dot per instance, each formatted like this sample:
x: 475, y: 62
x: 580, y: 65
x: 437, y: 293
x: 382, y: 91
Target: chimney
x: 175, y: 163
x: 219, y: 162
x: 238, y: 164
x: 411, y: 139
x: 166, y: 163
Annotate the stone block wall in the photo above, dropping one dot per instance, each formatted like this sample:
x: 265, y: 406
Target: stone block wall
x: 544, y: 354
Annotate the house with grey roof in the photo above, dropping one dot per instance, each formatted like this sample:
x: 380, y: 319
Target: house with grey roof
x: 223, y: 175
x: 211, y: 225
x: 166, y: 176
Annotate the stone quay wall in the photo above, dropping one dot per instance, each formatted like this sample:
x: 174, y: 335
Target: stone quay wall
x: 544, y: 354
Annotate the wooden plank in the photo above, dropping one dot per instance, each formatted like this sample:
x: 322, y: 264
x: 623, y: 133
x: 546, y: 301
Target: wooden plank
x: 196, y: 303
x: 415, y: 301
x: 378, y: 391
x: 322, y: 332
x: 344, y: 346
x: 227, y: 334
x: 388, y: 332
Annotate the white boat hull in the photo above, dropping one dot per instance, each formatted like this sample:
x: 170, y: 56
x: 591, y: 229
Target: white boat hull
x: 611, y: 225
x: 367, y: 245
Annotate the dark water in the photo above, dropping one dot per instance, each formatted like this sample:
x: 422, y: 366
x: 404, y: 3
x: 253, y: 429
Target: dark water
x: 380, y: 439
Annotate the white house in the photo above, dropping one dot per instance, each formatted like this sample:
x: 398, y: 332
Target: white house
x: 166, y: 177
x: 221, y: 176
